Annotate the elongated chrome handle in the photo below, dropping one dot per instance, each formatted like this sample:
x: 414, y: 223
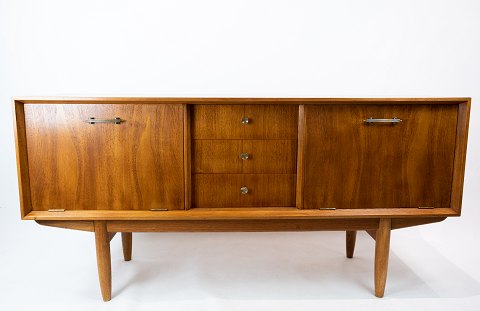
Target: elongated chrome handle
x: 244, y: 190
x: 371, y: 120
x: 92, y: 120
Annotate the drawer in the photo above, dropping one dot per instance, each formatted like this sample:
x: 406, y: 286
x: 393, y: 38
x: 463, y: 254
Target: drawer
x: 136, y: 164
x: 244, y: 121
x: 224, y: 190
x: 244, y: 156
x: 353, y: 164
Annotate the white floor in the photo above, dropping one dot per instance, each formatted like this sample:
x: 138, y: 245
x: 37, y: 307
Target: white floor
x: 54, y: 269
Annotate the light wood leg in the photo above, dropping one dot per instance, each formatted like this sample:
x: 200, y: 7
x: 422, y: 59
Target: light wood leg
x: 382, y: 250
x: 127, y: 245
x: 351, y: 238
x: 102, y: 242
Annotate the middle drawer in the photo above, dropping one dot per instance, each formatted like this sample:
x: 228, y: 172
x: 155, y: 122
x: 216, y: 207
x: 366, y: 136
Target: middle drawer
x: 244, y: 156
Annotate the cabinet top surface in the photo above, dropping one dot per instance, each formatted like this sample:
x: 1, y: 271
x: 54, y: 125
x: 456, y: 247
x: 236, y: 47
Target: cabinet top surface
x: 243, y: 100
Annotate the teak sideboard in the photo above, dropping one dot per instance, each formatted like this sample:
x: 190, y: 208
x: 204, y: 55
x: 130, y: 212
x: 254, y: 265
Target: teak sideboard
x: 109, y: 165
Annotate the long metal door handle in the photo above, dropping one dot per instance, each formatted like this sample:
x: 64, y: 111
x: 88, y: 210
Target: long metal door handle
x: 371, y: 120
x: 117, y: 120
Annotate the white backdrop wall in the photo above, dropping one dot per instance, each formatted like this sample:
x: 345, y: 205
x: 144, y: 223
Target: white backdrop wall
x: 294, y: 48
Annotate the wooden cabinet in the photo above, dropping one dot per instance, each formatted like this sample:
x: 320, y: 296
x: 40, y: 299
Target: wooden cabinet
x: 109, y: 165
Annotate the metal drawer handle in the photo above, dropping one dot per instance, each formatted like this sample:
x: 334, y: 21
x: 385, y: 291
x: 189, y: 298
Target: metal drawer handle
x: 244, y: 156
x: 92, y: 120
x: 244, y: 190
x: 245, y: 120
x: 371, y: 120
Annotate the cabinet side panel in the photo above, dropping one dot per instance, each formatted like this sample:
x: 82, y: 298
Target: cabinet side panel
x: 22, y: 158
x: 460, y: 156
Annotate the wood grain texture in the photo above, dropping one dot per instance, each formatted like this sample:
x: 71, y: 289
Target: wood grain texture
x: 19, y: 129
x: 217, y: 121
x: 460, y: 155
x: 270, y: 156
x: 354, y: 165
x: 102, y: 243
x: 69, y: 224
x: 224, y: 122
x: 126, y: 245
x: 187, y: 156
x: 265, y: 156
x: 252, y: 225
x: 81, y: 225
x: 242, y: 213
x: 350, y: 237
x: 243, y: 100
x: 217, y: 156
x: 264, y: 190
x: 301, y: 156
x: 382, y: 251
x: 271, y: 122
x: 137, y: 164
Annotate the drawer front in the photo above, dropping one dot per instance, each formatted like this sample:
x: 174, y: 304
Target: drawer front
x: 353, y: 164
x: 217, y: 121
x: 137, y: 164
x: 271, y: 121
x: 225, y: 190
x: 244, y: 121
x: 216, y: 156
x: 244, y: 156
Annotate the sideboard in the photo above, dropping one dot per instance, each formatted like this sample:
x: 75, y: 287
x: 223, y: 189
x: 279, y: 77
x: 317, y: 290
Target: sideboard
x: 123, y: 165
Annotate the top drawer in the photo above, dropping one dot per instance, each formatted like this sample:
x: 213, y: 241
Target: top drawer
x: 244, y: 121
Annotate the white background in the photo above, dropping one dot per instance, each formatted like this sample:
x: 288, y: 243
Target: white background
x: 245, y: 49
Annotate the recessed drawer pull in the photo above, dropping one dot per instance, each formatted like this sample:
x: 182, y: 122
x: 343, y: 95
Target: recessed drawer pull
x: 245, y: 120
x: 92, y: 120
x: 371, y: 120
x: 244, y: 190
x: 244, y: 156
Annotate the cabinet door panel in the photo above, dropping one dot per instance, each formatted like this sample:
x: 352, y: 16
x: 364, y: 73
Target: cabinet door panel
x: 350, y: 164
x: 137, y: 164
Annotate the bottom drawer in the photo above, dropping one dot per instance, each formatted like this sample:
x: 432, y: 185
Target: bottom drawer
x: 259, y: 190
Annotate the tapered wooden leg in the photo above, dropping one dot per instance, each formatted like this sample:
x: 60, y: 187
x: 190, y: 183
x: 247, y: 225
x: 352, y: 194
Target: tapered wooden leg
x: 102, y: 242
x: 382, y: 250
x: 351, y: 238
x: 127, y: 245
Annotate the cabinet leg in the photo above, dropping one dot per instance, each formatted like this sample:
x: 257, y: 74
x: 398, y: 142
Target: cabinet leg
x: 382, y: 249
x: 350, y: 239
x: 127, y: 245
x: 102, y: 242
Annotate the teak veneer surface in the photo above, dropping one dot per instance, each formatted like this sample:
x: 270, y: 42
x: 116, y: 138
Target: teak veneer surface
x: 137, y: 164
x: 264, y: 156
x: 350, y: 164
x: 224, y: 121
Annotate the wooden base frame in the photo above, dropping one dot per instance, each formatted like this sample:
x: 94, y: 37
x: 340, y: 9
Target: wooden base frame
x: 105, y: 230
